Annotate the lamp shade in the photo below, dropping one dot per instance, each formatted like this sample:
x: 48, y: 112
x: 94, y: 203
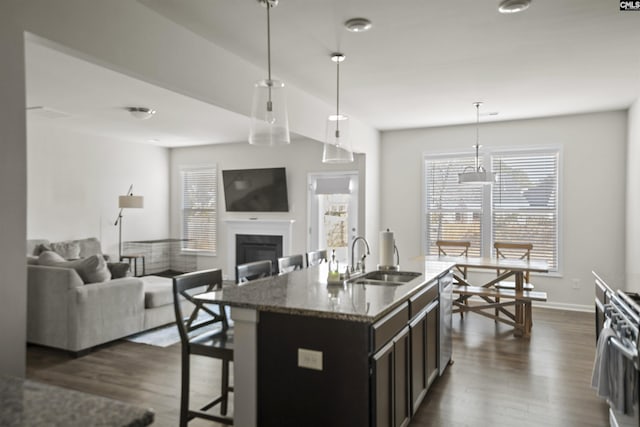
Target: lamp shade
x: 269, y: 121
x: 131, y: 202
x: 477, y: 177
x: 337, y: 148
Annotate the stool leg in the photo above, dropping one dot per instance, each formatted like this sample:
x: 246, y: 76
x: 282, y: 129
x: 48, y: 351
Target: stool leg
x: 225, y: 387
x: 184, y: 393
x: 144, y: 269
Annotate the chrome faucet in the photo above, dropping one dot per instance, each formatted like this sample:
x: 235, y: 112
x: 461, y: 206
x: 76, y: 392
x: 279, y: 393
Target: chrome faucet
x: 354, y: 268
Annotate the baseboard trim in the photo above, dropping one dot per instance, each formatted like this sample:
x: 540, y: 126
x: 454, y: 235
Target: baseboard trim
x: 565, y: 306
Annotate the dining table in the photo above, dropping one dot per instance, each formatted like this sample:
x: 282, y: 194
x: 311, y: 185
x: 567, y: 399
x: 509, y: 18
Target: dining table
x: 494, y: 298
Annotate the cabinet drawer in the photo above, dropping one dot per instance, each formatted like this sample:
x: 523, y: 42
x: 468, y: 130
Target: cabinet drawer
x: 383, y: 330
x: 419, y: 301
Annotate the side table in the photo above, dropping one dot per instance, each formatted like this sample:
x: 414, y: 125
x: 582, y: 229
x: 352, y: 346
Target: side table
x: 134, y: 258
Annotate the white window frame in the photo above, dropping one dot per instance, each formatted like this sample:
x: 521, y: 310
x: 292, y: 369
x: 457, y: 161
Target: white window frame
x: 199, y: 251
x: 486, y: 158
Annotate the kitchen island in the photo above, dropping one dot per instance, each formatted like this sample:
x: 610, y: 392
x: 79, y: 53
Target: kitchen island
x: 353, y: 354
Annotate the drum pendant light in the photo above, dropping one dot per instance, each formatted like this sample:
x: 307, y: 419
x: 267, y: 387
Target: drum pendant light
x: 337, y: 148
x: 477, y: 174
x: 269, y: 121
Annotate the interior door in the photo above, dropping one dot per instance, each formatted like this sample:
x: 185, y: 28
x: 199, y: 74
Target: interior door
x: 332, y: 212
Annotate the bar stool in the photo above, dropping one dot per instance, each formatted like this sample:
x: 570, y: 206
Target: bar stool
x: 199, y: 339
x: 316, y: 257
x: 290, y: 263
x: 252, y: 270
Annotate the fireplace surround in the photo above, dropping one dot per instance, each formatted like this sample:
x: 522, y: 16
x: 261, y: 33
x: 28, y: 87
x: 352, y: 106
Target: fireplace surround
x: 262, y: 230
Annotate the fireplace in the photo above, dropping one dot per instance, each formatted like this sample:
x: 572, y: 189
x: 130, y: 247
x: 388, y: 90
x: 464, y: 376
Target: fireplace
x: 257, y: 247
x: 281, y: 228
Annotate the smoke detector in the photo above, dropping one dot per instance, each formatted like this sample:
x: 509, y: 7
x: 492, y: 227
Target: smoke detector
x: 513, y: 6
x: 358, y: 25
x: 141, y: 113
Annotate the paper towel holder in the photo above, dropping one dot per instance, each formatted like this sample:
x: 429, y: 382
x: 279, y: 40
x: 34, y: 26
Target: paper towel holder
x: 395, y: 267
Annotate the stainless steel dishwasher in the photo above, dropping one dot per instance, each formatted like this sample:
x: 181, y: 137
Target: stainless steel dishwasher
x: 446, y: 307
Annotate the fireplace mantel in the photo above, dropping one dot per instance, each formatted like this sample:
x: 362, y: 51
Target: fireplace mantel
x: 265, y: 227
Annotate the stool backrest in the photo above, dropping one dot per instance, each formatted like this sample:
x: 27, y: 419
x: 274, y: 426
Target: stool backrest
x: 290, y: 263
x: 317, y: 257
x: 185, y: 286
x: 513, y: 250
x: 252, y: 270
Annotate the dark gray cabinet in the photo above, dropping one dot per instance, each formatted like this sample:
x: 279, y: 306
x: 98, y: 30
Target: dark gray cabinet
x: 391, y: 382
x: 424, y: 352
x: 405, y: 359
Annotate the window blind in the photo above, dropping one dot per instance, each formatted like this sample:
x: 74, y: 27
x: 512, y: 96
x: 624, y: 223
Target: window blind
x: 199, y: 209
x: 453, y: 211
x: 525, y: 202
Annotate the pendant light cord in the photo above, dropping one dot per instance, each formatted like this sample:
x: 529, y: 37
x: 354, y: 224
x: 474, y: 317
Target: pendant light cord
x: 338, y: 98
x: 269, y: 83
x: 477, y: 136
x: 268, y: 42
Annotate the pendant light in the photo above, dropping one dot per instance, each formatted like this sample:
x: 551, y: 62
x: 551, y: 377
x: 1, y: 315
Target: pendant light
x: 269, y: 121
x: 477, y: 174
x: 337, y: 148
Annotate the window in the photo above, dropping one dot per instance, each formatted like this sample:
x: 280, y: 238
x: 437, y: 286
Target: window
x: 199, y: 210
x: 522, y: 206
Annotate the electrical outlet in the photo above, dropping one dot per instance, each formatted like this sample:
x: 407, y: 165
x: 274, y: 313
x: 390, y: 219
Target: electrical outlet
x: 310, y: 359
x: 575, y: 283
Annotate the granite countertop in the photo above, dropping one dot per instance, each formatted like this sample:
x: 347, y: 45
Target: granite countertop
x: 305, y: 292
x: 26, y: 403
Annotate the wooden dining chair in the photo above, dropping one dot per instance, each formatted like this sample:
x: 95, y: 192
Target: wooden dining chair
x: 316, y: 257
x: 513, y: 250
x: 454, y: 248
x: 203, y: 332
x: 290, y: 263
x: 252, y: 270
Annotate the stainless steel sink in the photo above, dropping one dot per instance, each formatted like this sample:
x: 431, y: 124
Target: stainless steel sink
x: 388, y: 278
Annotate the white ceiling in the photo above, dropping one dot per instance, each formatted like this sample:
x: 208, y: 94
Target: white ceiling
x: 422, y: 64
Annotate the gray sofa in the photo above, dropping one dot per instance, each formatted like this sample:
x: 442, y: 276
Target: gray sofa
x: 66, y: 313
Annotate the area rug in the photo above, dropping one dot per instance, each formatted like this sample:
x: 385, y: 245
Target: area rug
x: 166, y: 336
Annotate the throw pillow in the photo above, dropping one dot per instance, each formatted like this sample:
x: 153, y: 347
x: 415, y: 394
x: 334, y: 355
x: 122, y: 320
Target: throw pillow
x: 41, y: 248
x: 118, y: 269
x: 92, y: 269
x: 68, y: 249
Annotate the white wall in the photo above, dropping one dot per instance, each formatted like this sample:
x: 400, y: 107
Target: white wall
x: 299, y: 158
x: 13, y: 191
x: 74, y: 181
x: 592, y: 192
x: 633, y: 200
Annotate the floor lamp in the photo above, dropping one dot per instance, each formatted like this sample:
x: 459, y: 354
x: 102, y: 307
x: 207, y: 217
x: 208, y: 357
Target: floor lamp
x: 129, y: 201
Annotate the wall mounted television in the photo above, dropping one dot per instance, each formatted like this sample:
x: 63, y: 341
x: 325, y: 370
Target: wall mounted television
x: 255, y: 190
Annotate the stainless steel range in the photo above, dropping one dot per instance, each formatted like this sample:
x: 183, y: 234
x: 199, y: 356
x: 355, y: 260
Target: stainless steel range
x: 615, y: 372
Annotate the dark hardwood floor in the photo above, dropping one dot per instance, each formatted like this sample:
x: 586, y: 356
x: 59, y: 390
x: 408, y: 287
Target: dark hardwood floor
x: 496, y: 380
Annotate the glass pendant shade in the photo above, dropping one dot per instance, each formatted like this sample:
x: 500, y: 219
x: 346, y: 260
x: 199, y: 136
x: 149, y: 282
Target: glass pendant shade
x: 337, y: 148
x: 269, y: 120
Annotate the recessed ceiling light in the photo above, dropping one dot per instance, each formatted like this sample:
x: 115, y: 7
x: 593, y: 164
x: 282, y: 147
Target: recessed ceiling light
x: 358, y: 25
x: 513, y: 6
x: 141, y: 113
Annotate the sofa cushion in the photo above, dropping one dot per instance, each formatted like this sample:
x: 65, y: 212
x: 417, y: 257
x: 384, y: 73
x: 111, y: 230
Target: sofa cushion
x: 158, y: 291
x: 92, y: 269
x: 67, y: 249
x: 89, y: 246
